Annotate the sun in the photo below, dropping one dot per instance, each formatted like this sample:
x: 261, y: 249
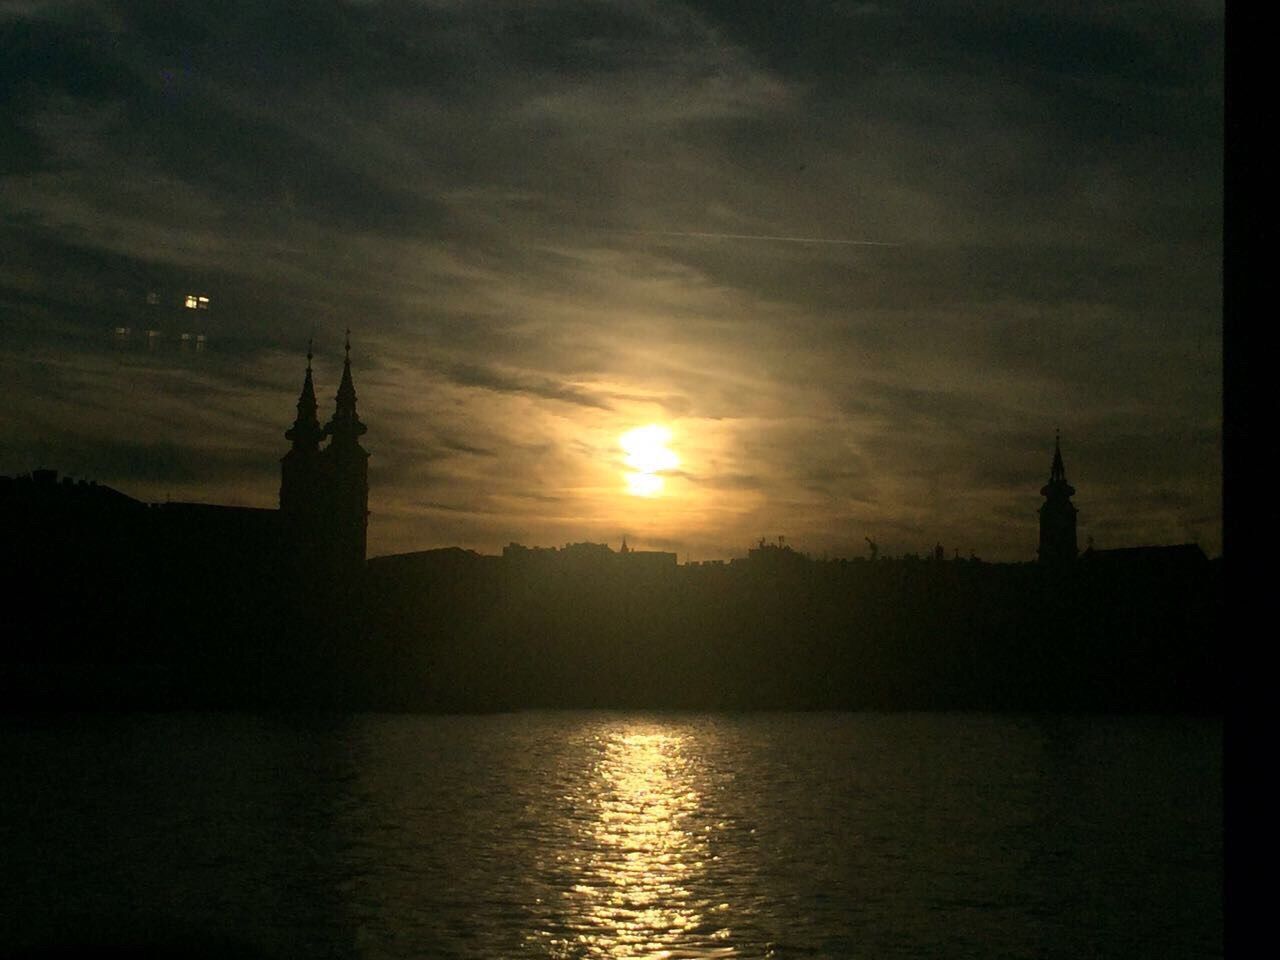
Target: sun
x: 646, y: 449
x: 648, y: 456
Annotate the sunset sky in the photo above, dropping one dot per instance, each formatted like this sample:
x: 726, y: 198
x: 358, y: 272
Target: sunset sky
x: 852, y: 262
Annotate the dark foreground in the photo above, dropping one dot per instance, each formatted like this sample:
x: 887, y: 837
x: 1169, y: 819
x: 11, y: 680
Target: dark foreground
x: 451, y: 631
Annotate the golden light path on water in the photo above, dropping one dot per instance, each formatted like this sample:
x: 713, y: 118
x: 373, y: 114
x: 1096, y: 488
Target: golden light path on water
x: 635, y: 896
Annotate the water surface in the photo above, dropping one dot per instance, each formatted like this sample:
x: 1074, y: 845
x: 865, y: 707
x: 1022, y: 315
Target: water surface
x: 616, y: 835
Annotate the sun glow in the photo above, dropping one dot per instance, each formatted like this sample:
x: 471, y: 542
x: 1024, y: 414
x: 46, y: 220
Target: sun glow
x: 648, y: 456
x: 643, y: 484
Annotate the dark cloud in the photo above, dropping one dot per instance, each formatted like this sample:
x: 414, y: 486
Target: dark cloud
x: 471, y: 375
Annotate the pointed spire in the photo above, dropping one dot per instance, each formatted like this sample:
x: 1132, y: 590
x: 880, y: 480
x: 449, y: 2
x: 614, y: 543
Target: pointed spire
x: 306, y: 432
x: 346, y: 425
x: 1057, y: 485
x: 1057, y: 513
x: 1057, y: 472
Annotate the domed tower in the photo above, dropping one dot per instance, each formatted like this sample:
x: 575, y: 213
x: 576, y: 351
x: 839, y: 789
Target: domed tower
x: 1057, y: 513
x: 346, y: 467
x: 302, y: 487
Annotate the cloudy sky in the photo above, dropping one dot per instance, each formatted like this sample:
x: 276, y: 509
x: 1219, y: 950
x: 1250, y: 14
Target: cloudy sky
x: 859, y: 259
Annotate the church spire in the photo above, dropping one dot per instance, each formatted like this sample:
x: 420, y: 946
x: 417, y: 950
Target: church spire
x: 1057, y: 472
x: 345, y: 426
x: 347, y: 474
x: 1057, y: 513
x: 300, y: 480
x: 305, y: 432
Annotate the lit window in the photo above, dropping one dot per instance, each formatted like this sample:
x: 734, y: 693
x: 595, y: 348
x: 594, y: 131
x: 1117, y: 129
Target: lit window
x: 191, y: 301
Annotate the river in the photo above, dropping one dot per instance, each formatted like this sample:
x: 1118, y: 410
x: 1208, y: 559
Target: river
x: 611, y: 835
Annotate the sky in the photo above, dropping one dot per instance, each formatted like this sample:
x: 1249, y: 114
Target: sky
x: 854, y: 262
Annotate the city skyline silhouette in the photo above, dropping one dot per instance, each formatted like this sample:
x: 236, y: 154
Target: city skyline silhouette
x: 317, y: 485
x: 216, y: 605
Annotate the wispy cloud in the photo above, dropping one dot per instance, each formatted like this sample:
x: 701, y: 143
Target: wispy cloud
x: 862, y: 258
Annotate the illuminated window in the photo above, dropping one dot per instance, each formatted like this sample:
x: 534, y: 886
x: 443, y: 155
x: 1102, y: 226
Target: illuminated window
x: 191, y: 301
x: 196, y: 302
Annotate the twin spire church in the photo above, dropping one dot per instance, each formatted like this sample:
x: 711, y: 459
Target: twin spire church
x: 324, y: 492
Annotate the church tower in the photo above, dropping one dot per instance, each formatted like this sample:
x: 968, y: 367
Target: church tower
x: 346, y: 469
x: 1057, y: 513
x: 302, y: 493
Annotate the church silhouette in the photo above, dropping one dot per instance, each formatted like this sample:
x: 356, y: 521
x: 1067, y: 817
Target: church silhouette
x: 230, y: 603
x: 324, y: 493
x: 1057, y: 513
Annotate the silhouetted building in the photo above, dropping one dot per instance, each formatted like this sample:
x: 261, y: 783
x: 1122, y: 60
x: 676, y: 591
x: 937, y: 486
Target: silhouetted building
x: 774, y: 555
x: 227, y: 603
x: 347, y: 471
x: 1057, y: 513
x: 26, y: 496
x: 324, y: 493
x: 301, y: 483
x: 650, y: 560
x: 1173, y: 560
x: 585, y: 556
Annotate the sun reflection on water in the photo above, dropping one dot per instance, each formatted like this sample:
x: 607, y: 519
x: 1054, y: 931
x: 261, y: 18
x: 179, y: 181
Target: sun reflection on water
x: 635, y: 894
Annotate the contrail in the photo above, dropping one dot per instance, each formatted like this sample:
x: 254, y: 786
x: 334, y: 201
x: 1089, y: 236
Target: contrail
x: 757, y: 236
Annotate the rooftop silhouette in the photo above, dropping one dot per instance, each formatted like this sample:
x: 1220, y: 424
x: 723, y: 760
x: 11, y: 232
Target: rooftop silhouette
x: 125, y: 603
